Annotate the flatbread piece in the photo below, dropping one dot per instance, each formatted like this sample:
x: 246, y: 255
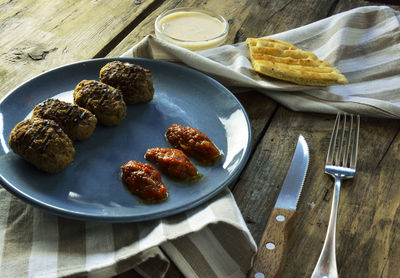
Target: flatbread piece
x: 285, y: 61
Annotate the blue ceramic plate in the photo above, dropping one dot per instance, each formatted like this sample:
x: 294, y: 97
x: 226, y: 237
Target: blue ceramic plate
x: 90, y: 188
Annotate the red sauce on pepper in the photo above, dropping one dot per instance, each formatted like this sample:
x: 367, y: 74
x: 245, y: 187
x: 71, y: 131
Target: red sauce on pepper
x: 143, y: 180
x: 172, y: 162
x: 192, y: 142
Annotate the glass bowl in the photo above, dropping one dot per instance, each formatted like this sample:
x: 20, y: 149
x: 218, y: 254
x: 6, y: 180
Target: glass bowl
x: 192, y: 28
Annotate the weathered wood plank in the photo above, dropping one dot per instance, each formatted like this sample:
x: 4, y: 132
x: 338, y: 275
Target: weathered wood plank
x: 39, y: 35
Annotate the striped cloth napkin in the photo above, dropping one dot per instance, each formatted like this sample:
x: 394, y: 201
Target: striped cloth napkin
x: 211, y: 240
x: 363, y: 43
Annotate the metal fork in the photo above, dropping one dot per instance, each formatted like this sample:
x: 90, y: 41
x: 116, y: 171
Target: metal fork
x: 340, y: 167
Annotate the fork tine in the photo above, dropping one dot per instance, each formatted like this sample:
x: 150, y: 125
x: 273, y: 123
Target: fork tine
x: 332, y: 143
x: 341, y: 140
x: 353, y: 158
x: 347, y: 149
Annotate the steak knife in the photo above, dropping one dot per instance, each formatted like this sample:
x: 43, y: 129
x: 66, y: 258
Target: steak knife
x: 271, y: 254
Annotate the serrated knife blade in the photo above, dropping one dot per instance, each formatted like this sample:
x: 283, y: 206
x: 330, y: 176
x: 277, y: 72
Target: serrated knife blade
x: 271, y: 254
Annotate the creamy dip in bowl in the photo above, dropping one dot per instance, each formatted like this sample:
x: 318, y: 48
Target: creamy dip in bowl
x: 192, y: 28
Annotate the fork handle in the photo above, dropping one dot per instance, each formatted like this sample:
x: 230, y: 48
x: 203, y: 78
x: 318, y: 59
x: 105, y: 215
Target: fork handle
x: 326, y: 266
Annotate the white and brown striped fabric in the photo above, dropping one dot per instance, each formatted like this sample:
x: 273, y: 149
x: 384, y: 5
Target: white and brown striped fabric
x: 363, y: 43
x: 209, y: 241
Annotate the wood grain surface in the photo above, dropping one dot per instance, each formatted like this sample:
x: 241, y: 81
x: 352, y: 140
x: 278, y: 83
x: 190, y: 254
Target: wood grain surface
x: 39, y: 35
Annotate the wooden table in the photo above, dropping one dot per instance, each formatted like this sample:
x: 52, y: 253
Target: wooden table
x: 39, y: 35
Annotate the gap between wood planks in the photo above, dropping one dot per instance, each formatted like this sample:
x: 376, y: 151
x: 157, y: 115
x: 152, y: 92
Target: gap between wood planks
x: 332, y: 8
x: 119, y: 37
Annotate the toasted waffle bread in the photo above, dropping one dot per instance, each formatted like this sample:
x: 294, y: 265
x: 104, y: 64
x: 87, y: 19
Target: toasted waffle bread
x: 285, y: 61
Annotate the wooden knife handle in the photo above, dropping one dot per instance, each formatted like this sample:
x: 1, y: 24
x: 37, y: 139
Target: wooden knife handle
x: 272, y: 250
